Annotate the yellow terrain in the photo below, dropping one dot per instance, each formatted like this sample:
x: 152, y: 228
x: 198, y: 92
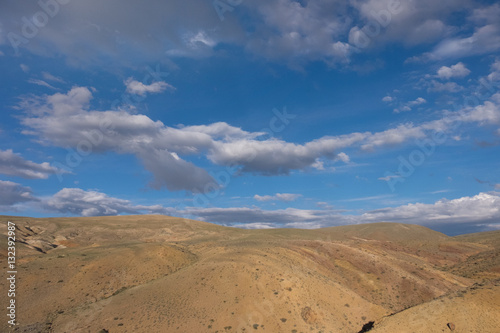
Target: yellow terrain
x: 164, y: 274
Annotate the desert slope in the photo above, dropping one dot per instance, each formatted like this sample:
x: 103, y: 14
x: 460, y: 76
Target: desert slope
x: 165, y: 274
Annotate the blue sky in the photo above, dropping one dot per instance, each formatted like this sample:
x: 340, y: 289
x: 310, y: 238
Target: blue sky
x: 255, y: 114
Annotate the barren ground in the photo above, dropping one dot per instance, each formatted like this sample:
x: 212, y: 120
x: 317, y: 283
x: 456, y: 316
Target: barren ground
x: 165, y: 274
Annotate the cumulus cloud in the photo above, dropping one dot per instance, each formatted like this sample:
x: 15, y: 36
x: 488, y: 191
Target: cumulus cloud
x: 87, y: 35
x: 174, y: 173
x: 246, y: 215
x: 93, y: 203
x: 300, y: 30
x: 487, y: 113
x: 418, y: 101
x: 388, y: 98
x: 275, y: 157
x: 277, y: 196
x: 63, y: 120
x: 12, y: 194
x: 481, y: 208
x: 14, y: 165
x: 343, y: 157
x: 66, y: 120
x: 406, y: 21
x: 315, y: 30
x: 484, y: 40
x: 456, y: 71
x: 138, y: 88
x: 393, y: 136
x: 467, y: 214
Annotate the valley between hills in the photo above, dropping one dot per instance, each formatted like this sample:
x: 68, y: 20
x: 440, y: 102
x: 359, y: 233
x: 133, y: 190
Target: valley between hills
x: 154, y: 273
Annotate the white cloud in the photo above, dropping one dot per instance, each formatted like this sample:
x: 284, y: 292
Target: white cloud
x: 404, y: 108
x: 497, y: 186
x: 494, y: 76
x: 343, y: 157
x: 485, y: 15
x: 428, y: 31
x: 462, y: 214
x: 477, y: 209
x: 409, y: 105
x: 456, y: 71
x: 276, y: 218
x: 388, y: 98
x: 487, y: 113
x: 65, y: 120
x: 86, y: 35
x: 203, y: 38
x: 14, y: 165
x: 406, y: 21
x: 416, y: 102
x: 389, y: 177
x: 435, y: 86
x: 93, y: 203
x: 484, y: 40
x: 324, y: 205
x: 440, y: 191
x: 41, y: 83
x: 306, y: 31
x: 256, y: 226
x: 49, y: 77
x: 298, y: 31
x: 139, y: 88
x: 278, y: 196
x: 274, y: 157
x: 318, y: 165
x: 393, y: 136
x: 468, y: 214
x: 24, y: 68
x: 371, y: 198
x: 12, y: 194
x: 174, y: 173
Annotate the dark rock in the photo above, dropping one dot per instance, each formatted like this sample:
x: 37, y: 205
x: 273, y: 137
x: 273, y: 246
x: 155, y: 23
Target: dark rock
x: 367, y: 327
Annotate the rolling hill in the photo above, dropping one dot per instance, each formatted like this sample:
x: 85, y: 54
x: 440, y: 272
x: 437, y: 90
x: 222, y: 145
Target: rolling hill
x: 165, y: 274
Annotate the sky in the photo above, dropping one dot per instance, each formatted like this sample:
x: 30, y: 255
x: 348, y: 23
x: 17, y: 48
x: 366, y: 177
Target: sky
x: 253, y: 114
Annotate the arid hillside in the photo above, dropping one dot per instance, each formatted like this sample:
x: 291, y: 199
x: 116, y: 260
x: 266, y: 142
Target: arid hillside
x: 164, y: 274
